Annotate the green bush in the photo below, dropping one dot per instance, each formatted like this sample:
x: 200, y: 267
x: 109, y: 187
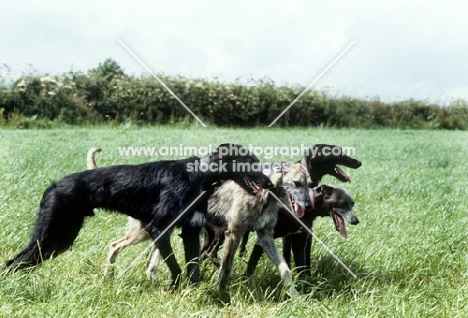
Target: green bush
x: 107, y: 95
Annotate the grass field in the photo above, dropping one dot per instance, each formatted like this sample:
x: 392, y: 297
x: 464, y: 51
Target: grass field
x: 409, y: 251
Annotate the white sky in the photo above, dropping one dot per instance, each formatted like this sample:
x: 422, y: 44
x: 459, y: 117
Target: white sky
x: 404, y: 49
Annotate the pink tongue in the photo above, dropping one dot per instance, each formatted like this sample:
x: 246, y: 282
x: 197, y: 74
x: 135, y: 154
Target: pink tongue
x: 298, y: 209
x: 339, y: 223
x: 338, y: 170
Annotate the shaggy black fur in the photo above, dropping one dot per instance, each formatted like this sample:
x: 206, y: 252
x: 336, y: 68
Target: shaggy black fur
x: 155, y: 193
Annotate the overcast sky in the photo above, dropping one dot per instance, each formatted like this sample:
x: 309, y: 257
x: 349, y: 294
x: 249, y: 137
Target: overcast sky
x: 404, y: 49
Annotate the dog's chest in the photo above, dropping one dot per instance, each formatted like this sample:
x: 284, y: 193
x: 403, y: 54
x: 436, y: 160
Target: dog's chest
x: 265, y: 220
x: 267, y: 217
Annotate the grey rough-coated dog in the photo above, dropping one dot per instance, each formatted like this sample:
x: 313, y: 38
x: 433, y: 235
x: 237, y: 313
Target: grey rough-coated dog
x: 231, y: 206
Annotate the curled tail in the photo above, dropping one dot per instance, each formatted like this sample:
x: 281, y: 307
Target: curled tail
x: 90, y: 162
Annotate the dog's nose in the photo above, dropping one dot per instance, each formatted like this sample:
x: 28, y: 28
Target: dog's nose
x: 354, y: 220
x: 308, y: 205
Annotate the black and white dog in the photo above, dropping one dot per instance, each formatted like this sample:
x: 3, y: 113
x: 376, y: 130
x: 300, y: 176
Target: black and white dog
x: 155, y: 193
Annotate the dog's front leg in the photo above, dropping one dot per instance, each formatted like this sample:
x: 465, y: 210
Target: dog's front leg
x: 244, y: 241
x: 231, y: 244
x: 191, y: 238
x: 301, y: 244
x: 287, y: 246
x: 266, y: 241
x: 308, y: 267
x: 257, y: 253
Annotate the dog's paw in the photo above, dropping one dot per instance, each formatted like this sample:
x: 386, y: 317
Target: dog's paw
x: 109, y: 271
x: 292, y: 292
x: 224, y: 296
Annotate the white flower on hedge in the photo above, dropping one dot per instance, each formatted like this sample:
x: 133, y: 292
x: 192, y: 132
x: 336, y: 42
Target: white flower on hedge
x: 48, y: 79
x: 22, y: 83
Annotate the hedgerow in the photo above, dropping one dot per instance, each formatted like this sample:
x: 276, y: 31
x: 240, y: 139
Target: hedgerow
x: 107, y: 95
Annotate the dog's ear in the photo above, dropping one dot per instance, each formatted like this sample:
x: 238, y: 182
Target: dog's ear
x: 285, y: 167
x: 207, y: 159
x: 281, y: 167
x: 316, y: 196
x: 278, y: 171
x: 326, y: 189
x: 322, y: 196
x: 304, y: 163
x: 276, y: 179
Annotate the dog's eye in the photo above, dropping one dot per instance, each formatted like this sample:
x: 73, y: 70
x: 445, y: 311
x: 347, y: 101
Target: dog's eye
x: 310, y: 185
x: 297, y: 184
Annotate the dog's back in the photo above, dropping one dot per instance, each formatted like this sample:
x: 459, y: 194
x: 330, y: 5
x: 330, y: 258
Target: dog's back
x: 231, y: 202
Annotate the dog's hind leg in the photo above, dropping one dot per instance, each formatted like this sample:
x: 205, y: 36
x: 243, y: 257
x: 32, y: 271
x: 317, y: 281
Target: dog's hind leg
x: 136, y: 234
x: 231, y: 243
x: 266, y: 241
x: 152, y: 263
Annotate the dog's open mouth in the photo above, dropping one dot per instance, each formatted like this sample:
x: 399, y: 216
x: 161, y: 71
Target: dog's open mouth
x: 342, y: 173
x: 252, y: 186
x: 298, y: 209
x: 339, y: 224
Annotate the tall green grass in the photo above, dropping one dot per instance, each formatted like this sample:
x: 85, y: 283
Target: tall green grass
x: 409, y: 251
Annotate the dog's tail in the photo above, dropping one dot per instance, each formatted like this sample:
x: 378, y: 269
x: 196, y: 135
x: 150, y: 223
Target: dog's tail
x: 90, y: 162
x: 57, y: 223
x: 56, y: 227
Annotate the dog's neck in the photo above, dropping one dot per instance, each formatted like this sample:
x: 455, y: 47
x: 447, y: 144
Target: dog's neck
x: 315, y: 177
x: 279, y: 191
